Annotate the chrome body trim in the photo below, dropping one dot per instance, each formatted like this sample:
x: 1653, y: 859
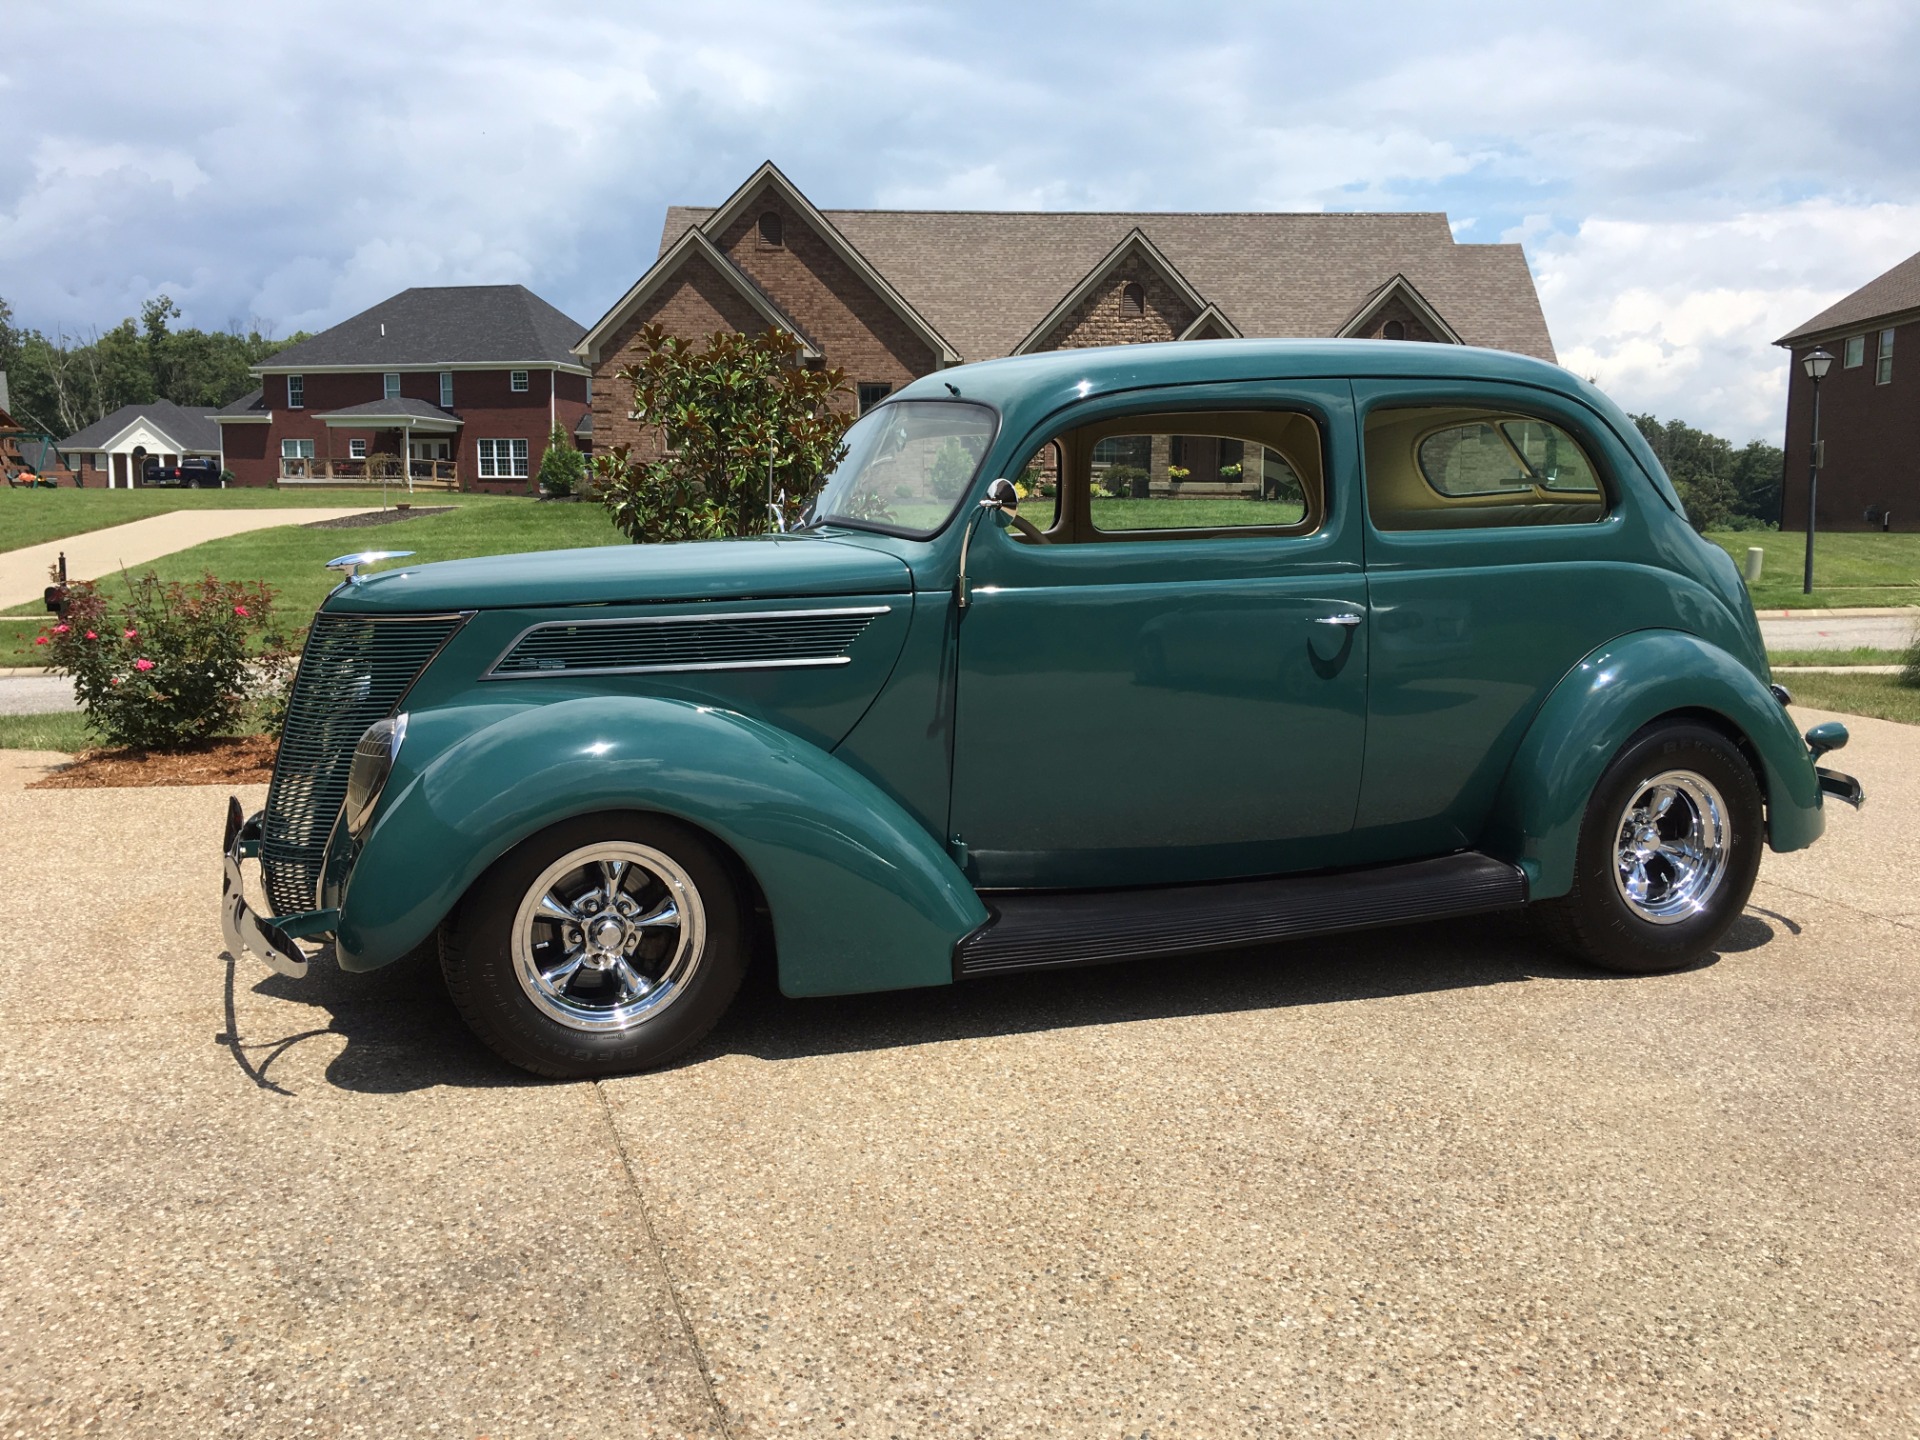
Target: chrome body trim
x: 492, y: 672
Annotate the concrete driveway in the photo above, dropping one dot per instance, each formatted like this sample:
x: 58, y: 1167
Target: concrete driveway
x: 23, y: 573
x: 1430, y: 1182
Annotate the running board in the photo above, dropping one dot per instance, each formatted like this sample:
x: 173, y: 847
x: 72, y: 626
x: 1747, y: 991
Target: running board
x: 1049, y: 930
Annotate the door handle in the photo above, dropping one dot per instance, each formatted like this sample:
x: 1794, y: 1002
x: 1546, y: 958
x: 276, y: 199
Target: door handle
x: 1345, y: 621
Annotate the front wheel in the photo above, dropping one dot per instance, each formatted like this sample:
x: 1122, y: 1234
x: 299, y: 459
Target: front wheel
x: 1669, y: 848
x: 602, y: 945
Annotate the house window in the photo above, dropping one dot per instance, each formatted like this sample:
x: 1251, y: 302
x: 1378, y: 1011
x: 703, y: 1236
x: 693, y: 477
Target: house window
x: 446, y: 389
x: 1883, y: 368
x: 1133, y: 300
x: 503, y: 459
x: 1393, y: 330
x: 296, y: 449
x: 872, y: 393
x: 356, y: 449
x: 296, y: 392
x: 393, y: 387
x: 1856, y: 354
x: 771, y: 234
x: 517, y: 381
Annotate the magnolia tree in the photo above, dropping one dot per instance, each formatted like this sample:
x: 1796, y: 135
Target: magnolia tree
x: 750, y: 433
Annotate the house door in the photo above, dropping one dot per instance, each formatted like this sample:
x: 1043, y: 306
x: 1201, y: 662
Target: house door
x: 1173, y: 686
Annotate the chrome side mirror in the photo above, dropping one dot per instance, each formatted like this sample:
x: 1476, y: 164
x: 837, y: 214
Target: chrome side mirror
x: 1002, y: 496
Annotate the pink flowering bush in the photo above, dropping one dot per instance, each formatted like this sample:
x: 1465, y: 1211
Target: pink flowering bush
x: 191, y: 661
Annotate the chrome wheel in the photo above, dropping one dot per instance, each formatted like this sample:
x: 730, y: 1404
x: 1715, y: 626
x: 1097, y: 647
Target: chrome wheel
x: 608, y: 936
x: 1671, y: 847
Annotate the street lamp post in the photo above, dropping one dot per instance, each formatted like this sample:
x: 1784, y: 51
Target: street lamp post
x: 1817, y: 363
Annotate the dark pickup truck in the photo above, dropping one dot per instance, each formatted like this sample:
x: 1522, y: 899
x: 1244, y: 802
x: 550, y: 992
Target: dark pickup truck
x: 194, y: 471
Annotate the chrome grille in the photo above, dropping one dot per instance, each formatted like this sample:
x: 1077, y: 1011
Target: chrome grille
x: 765, y: 640
x: 354, y: 671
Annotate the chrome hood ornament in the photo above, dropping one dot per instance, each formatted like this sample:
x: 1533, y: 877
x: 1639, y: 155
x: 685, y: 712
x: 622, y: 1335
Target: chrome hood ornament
x: 351, y: 564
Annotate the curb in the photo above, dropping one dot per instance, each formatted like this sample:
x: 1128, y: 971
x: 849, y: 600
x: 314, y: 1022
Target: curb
x: 1837, y: 669
x: 1882, y: 613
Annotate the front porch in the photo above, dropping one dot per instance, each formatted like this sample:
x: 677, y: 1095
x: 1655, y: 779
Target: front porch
x: 373, y: 470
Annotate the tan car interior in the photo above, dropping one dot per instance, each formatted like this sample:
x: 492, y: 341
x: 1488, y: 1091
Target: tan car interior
x: 1402, y: 496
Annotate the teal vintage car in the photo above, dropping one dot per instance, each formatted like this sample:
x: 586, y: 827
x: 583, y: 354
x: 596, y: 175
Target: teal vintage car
x: 1084, y: 656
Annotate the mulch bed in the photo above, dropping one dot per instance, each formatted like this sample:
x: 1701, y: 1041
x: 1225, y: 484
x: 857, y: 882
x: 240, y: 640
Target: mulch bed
x: 377, y: 517
x: 239, y: 760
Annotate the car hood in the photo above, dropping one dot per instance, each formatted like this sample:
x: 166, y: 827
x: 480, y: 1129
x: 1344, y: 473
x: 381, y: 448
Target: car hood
x: 768, y: 568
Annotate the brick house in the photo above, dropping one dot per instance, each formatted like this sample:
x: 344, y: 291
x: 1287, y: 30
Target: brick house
x: 1869, y: 409
x: 889, y: 295
x: 117, y: 449
x: 466, y: 381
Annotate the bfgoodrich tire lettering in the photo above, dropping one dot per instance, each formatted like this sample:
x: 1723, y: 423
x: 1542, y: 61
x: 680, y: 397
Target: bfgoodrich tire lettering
x: 602, y: 945
x: 1669, y: 848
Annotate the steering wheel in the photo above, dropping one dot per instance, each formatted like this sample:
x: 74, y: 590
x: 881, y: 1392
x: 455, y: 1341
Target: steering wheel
x: 1027, y: 528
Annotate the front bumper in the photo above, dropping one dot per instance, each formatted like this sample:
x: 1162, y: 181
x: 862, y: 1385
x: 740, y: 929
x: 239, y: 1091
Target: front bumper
x: 273, y: 939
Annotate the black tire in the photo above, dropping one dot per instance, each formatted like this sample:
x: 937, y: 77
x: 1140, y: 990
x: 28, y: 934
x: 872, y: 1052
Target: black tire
x: 1596, y: 921
x: 484, y: 971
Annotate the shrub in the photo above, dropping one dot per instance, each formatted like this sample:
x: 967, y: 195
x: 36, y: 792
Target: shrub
x: 1910, y: 663
x: 1126, y: 481
x: 562, y: 467
x: 170, y: 664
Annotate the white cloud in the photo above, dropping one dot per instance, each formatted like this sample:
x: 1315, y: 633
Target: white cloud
x: 1684, y: 193
x: 1678, y: 317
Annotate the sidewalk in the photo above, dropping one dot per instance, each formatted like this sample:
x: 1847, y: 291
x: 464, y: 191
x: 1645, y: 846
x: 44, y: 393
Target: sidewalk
x: 23, y: 573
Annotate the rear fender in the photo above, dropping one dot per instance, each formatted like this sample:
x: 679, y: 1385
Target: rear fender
x: 1593, y: 711
x: 862, y: 898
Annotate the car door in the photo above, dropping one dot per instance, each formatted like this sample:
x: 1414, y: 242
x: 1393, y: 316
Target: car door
x: 1501, y: 549
x: 1173, y: 687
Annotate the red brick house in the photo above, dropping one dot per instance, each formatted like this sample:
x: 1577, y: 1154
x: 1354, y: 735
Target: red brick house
x: 466, y: 381
x: 1869, y: 409
x: 888, y: 295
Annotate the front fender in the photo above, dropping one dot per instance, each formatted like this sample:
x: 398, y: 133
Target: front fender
x: 862, y: 897
x: 1600, y: 703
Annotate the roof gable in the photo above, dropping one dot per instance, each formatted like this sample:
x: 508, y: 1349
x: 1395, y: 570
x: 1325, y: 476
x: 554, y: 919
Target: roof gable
x: 1134, y: 242
x: 693, y: 244
x: 1881, y: 298
x: 181, y: 428
x: 440, y: 325
x: 716, y: 222
x: 1402, y: 289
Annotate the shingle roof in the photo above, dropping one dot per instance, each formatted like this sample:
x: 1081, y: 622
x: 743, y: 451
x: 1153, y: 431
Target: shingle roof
x: 985, y: 278
x: 418, y: 409
x: 250, y: 404
x: 192, y: 429
x: 443, y: 325
x: 1890, y: 294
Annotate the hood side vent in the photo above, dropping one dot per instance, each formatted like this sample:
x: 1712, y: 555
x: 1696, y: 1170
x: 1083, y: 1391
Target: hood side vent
x: 770, y: 640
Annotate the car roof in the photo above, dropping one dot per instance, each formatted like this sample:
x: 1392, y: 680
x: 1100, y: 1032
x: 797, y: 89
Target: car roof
x: 1126, y: 367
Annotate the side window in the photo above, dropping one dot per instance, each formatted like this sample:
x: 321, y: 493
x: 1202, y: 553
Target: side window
x: 1187, y: 475
x: 1455, y: 467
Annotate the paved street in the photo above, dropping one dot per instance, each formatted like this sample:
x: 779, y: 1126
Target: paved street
x: 1818, y: 630
x: 31, y: 694
x: 1435, y: 1182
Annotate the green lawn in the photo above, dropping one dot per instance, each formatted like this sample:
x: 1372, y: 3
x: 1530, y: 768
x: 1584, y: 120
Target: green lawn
x: 1881, y: 696
x: 293, y: 558
x: 33, y: 517
x: 66, y: 732
x: 1858, y: 568
x: 1857, y: 655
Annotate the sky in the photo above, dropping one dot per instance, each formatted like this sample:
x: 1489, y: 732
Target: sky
x: 1690, y: 180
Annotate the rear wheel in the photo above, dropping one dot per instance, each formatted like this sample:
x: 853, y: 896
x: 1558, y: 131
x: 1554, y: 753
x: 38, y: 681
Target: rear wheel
x: 1669, y: 849
x: 604, y: 944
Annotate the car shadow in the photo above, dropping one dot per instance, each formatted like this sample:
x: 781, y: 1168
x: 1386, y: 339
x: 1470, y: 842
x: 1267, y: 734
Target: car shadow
x: 402, y: 1033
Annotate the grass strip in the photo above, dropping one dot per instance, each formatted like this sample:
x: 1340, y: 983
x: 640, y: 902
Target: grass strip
x: 66, y: 731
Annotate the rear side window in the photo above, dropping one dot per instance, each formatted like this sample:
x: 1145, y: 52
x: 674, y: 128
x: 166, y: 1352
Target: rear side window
x: 1452, y: 467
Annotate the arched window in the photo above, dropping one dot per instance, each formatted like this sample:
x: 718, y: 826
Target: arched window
x: 1393, y: 330
x: 770, y: 229
x: 1133, y: 300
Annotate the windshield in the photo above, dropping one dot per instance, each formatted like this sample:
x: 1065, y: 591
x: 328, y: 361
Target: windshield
x: 907, y: 466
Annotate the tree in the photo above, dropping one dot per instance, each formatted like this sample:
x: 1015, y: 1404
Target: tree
x: 747, y: 435
x: 1721, y: 487
x: 562, y: 467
